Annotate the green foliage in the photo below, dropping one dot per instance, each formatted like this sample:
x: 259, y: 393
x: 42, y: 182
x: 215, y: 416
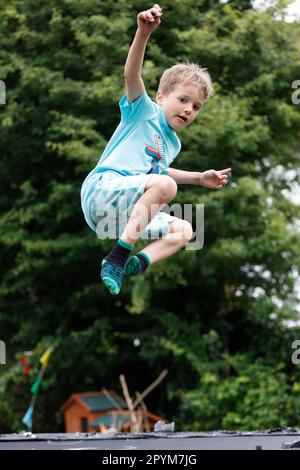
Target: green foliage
x: 252, y: 396
x: 216, y: 318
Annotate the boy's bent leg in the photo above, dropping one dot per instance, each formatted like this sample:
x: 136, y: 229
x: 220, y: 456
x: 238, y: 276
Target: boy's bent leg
x: 159, y: 190
x: 180, y: 232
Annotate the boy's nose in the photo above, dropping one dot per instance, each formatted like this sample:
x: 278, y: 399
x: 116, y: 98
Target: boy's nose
x: 188, y: 109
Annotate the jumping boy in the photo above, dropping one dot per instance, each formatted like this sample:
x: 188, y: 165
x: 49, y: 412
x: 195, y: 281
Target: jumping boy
x: 132, y: 177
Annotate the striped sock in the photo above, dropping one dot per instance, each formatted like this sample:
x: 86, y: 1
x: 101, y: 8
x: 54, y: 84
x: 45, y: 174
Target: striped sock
x: 137, y: 263
x: 112, y: 266
x: 119, y: 254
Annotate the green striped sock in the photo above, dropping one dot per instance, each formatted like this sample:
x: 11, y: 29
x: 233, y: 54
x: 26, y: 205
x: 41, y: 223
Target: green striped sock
x: 137, y: 263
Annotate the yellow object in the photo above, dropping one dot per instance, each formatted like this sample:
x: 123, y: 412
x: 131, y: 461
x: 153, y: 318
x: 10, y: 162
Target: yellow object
x: 46, y: 356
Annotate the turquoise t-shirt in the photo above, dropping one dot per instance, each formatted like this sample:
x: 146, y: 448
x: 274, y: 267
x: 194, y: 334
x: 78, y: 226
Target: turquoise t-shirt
x: 143, y: 143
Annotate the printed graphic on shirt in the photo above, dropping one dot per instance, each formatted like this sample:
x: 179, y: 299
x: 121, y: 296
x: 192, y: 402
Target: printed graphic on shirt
x: 158, y: 154
x: 161, y: 148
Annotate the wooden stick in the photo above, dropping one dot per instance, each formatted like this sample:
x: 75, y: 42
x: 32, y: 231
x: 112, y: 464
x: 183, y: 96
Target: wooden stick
x: 145, y: 411
x: 135, y: 426
x: 111, y: 399
x: 150, y: 388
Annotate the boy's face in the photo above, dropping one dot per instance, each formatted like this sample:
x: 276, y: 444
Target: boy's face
x: 181, y: 105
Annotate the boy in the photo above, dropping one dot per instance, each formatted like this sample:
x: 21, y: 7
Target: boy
x: 134, y: 167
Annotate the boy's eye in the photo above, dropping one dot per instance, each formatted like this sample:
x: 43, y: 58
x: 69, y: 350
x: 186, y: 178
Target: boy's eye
x: 183, y: 100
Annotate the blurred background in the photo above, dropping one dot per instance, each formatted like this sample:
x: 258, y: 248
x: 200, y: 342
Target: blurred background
x: 221, y: 320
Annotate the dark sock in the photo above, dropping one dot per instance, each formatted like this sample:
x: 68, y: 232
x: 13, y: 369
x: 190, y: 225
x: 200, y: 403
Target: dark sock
x: 144, y: 262
x: 137, y: 264
x: 119, y: 254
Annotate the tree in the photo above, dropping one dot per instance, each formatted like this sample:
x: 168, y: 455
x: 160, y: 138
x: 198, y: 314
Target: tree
x: 197, y: 313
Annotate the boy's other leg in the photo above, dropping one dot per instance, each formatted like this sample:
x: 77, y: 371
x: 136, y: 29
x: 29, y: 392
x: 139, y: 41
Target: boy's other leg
x: 159, y: 190
x: 180, y: 232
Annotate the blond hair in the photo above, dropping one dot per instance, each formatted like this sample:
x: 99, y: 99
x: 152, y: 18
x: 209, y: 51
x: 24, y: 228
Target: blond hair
x: 186, y: 73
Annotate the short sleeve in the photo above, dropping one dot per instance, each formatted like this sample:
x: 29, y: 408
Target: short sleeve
x: 166, y: 171
x: 142, y: 108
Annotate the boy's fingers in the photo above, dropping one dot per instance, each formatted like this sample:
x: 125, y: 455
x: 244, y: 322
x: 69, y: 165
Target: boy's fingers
x: 222, y: 179
x: 155, y: 16
x: 146, y: 16
x: 157, y: 7
x: 143, y: 15
x: 226, y: 171
x: 156, y: 10
x: 152, y: 14
x: 151, y: 18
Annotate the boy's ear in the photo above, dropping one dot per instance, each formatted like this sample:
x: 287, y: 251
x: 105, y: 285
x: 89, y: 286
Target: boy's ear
x: 159, y: 97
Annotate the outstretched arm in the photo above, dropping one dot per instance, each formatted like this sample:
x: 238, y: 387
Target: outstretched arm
x: 185, y: 177
x: 147, y: 22
x: 209, y: 179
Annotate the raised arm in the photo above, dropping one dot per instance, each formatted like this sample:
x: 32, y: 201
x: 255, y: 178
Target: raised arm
x: 147, y: 22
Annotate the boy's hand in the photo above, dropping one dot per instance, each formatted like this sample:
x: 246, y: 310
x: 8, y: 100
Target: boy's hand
x: 149, y: 20
x: 215, y: 179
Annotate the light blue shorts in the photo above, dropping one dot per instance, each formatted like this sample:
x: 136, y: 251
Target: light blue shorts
x: 113, y: 201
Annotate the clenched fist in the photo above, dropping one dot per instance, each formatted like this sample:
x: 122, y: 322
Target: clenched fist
x: 149, y: 20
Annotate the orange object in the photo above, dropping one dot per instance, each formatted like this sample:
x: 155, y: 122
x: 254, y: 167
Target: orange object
x: 96, y: 411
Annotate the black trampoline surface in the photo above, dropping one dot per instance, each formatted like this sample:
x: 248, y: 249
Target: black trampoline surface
x: 281, y: 439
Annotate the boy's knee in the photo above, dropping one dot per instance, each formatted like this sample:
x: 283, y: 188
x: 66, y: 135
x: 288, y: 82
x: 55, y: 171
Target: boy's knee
x: 183, y: 230
x: 187, y: 230
x: 167, y: 188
